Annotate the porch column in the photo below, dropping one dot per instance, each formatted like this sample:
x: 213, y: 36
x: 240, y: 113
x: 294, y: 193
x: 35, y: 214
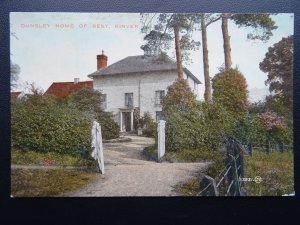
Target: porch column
x: 131, y: 121
x: 121, y: 119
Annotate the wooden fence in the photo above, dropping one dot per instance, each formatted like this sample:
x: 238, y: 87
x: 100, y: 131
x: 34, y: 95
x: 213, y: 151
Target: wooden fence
x: 268, y: 147
x: 230, y: 181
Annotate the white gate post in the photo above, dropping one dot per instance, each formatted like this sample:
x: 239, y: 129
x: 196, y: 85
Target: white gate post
x: 97, y: 144
x: 161, y: 138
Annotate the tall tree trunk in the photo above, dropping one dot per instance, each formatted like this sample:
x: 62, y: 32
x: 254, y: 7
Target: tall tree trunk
x: 207, y: 92
x: 226, y: 41
x: 178, y: 53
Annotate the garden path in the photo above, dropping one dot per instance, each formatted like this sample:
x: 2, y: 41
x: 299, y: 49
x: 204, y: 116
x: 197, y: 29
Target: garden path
x: 127, y: 173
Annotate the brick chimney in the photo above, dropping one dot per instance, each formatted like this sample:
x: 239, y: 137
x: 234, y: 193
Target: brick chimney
x: 101, y: 61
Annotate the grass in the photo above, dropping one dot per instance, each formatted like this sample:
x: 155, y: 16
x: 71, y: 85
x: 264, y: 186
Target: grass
x: 193, y: 155
x: 186, y: 155
x: 42, y: 183
x: 20, y: 157
x: 275, y: 169
x: 48, y: 182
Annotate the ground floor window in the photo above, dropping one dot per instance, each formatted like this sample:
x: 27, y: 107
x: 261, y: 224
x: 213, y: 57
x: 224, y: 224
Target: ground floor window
x: 159, y: 116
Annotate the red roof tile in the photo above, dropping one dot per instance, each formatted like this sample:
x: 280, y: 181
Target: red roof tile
x: 63, y: 89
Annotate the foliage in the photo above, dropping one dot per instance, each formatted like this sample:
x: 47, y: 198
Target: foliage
x: 145, y: 122
x: 110, y: 129
x: 47, y: 183
x: 179, y: 97
x: 27, y: 157
x: 202, y: 128
x: 14, y: 74
x: 192, y: 155
x: 169, y: 26
x: 159, y: 30
x: 272, y: 124
x: 248, y: 129
x: 38, y: 124
x: 276, y: 171
x: 230, y: 90
x: 260, y: 22
x: 278, y: 63
x: 148, y: 125
x: 276, y: 128
x: 87, y: 99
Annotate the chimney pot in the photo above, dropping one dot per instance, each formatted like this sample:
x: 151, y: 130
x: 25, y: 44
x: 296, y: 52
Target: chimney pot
x: 76, y: 80
x: 101, y: 61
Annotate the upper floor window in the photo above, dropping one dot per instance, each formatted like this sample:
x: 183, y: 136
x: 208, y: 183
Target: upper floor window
x: 159, y: 95
x: 128, y: 99
x: 103, y: 101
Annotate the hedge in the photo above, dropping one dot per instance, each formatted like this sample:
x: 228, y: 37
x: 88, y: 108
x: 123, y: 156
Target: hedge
x: 50, y: 127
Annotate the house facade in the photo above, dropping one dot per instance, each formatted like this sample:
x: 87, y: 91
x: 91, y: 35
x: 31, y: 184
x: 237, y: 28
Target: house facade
x: 136, y: 82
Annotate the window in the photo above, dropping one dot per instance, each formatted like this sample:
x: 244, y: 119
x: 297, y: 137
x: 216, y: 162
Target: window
x: 159, y: 116
x: 159, y: 95
x: 129, y: 100
x: 103, y: 101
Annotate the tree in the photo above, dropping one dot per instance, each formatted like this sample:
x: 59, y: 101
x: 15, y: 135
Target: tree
x: 168, y: 27
x: 14, y: 68
x: 179, y: 97
x: 230, y: 90
x: 259, y: 22
x: 14, y: 74
x: 278, y: 64
x: 205, y: 20
x: 87, y: 100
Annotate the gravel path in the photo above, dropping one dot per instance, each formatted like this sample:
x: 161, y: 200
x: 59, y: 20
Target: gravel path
x: 128, y: 174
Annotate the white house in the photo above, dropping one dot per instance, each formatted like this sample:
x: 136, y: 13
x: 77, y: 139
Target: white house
x: 136, y: 82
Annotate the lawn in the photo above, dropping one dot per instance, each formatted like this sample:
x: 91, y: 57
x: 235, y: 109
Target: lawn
x: 48, y: 183
x: 276, y: 170
x: 20, y: 157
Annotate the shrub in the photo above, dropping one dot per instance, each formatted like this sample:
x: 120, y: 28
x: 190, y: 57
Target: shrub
x: 230, y: 90
x: 50, y: 127
x: 179, y: 97
x: 202, y: 128
x: 148, y: 125
x: 110, y: 129
x: 87, y: 100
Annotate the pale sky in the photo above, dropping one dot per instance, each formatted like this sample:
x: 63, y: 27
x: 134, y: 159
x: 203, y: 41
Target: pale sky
x: 49, y: 53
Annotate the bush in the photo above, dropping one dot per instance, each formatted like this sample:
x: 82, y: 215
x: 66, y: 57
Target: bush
x: 230, y: 90
x: 179, y: 97
x: 87, y: 100
x: 50, y: 127
x: 202, y: 128
x: 110, y: 129
x: 148, y: 125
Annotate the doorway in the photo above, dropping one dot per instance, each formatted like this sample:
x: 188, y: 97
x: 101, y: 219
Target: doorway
x: 126, y: 121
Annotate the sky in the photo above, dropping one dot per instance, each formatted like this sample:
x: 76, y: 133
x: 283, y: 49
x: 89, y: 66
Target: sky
x: 58, y: 47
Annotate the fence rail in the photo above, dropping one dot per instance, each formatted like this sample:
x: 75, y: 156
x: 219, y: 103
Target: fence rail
x: 229, y: 181
x: 268, y: 147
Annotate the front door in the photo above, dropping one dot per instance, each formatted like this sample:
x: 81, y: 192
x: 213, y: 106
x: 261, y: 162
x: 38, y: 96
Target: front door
x: 126, y: 121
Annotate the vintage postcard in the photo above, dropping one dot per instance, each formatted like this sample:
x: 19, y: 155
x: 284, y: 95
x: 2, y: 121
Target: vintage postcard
x: 151, y: 104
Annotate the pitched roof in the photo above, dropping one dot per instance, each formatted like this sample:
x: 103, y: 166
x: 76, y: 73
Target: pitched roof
x: 141, y: 63
x: 63, y: 89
